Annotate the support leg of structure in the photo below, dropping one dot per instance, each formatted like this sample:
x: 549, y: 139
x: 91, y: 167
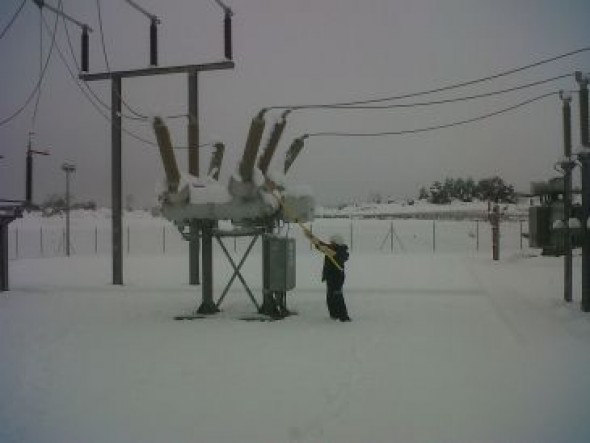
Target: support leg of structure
x: 3, y: 256
x: 270, y: 306
x: 586, y: 238
x: 207, y: 304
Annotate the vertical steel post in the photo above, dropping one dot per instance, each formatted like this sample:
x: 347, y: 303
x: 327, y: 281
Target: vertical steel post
x: 208, y: 306
x: 585, y: 160
x: 29, y: 177
x: 567, y: 167
x: 495, y: 222
x: 116, y: 178
x: 433, y: 235
x: 67, y: 213
x: 193, y: 168
x: 3, y: 256
x: 391, y: 236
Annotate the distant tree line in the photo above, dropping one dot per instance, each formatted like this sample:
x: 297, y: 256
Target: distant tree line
x: 467, y: 190
x: 56, y: 204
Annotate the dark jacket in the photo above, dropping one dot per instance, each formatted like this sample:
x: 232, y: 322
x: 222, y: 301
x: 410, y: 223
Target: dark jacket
x: 331, y: 273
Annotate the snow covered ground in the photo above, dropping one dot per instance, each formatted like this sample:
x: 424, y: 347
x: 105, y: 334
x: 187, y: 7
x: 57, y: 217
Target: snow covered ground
x: 443, y: 347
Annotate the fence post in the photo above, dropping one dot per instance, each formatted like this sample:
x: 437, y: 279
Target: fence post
x: 351, y: 237
x: 128, y: 240
x: 477, y: 235
x: 521, y: 234
x: 433, y: 235
x: 16, y: 244
x: 391, y: 236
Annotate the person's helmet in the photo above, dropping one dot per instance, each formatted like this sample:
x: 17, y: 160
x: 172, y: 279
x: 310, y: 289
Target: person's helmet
x: 337, y: 239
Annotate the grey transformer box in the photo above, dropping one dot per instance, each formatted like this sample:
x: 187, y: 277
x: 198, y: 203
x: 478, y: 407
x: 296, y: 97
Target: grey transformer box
x: 278, y: 256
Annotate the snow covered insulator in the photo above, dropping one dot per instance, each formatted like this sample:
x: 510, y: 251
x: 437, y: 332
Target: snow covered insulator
x: 273, y: 141
x: 251, y: 150
x: 167, y: 154
x: 574, y: 223
x: 293, y: 152
x: 216, y: 159
x: 558, y: 224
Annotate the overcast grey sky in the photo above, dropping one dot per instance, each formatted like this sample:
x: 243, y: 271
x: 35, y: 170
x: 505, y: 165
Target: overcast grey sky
x: 290, y: 52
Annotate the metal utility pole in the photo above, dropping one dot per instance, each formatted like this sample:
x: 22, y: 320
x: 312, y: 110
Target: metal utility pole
x: 584, y: 156
x: 68, y: 168
x: 567, y: 165
x: 193, y: 168
x: 116, y: 180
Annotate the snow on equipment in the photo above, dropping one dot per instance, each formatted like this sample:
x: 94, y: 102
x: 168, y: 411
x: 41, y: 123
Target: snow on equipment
x: 253, y: 202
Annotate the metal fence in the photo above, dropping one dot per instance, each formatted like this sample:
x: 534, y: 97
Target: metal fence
x: 362, y: 235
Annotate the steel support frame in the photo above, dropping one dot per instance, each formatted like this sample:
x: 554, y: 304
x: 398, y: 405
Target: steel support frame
x: 116, y: 143
x: 237, y: 272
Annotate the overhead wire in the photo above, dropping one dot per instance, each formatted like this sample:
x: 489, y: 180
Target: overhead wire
x: 443, y: 88
x: 106, y: 60
x: 39, y: 81
x: 34, y: 119
x: 93, y: 103
x: 444, y: 101
x: 89, y: 98
x: 137, y: 115
x: 12, y: 20
x: 430, y: 128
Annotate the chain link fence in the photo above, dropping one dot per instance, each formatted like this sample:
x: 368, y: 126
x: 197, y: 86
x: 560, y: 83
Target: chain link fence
x: 362, y: 235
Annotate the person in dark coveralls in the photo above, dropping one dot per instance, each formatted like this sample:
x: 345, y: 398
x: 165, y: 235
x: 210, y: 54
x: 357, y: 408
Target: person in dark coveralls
x: 334, y: 277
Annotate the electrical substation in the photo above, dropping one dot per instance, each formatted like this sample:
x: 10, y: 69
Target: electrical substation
x: 257, y: 202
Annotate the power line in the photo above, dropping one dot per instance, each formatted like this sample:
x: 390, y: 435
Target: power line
x: 429, y: 128
x: 38, y: 84
x: 444, y: 88
x: 443, y: 101
x: 34, y: 119
x: 106, y: 59
x: 9, y: 24
x: 86, y: 94
x: 98, y: 108
x: 90, y: 90
x: 137, y: 115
